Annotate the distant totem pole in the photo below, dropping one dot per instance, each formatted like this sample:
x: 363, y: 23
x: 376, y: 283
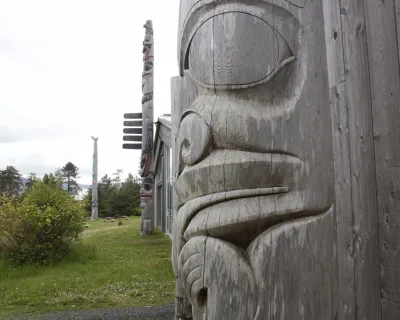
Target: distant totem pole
x: 147, y: 190
x: 254, y: 230
x: 95, y: 202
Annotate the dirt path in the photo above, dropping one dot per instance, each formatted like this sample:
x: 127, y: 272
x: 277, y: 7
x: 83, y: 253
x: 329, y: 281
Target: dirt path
x: 142, y: 313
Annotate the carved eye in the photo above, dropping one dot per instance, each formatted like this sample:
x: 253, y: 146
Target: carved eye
x: 148, y: 66
x: 236, y: 49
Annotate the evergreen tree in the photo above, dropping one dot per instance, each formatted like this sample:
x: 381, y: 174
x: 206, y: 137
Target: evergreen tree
x: 10, y: 181
x: 30, y: 181
x: 116, y: 198
x: 117, y: 178
x: 69, y: 173
x: 53, y: 179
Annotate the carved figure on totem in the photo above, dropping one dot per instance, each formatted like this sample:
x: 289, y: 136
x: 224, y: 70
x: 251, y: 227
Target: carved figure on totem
x: 147, y: 100
x: 146, y: 203
x: 147, y: 225
x: 254, y: 231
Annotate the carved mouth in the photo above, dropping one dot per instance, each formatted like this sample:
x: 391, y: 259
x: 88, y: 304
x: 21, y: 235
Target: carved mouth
x: 237, y: 171
x: 232, y: 192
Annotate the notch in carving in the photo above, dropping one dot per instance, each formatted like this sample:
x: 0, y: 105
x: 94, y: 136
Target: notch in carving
x: 297, y: 3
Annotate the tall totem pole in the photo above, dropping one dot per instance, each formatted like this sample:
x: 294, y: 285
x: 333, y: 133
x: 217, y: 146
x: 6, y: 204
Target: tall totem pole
x: 254, y: 229
x: 95, y: 203
x: 146, y: 192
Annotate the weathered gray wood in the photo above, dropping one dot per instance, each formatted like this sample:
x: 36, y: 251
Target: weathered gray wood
x: 132, y: 123
x: 254, y: 159
x: 132, y: 146
x: 183, y: 309
x: 334, y: 42
x: 132, y: 138
x: 133, y: 131
x: 304, y: 245
x: 397, y: 16
x: 341, y: 151
x: 385, y: 93
x: 147, y: 127
x: 343, y: 203
x: 280, y: 115
x: 385, y: 81
x: 165, y: 135
x: 389, y: 224
x: 201, y: 54
x: 365, y: 232
x: 250, y: 60
x: 133, y: 116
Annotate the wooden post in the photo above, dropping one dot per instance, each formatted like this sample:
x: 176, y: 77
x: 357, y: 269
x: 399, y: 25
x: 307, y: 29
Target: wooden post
x: 147, y: 190
x: 254, y: 228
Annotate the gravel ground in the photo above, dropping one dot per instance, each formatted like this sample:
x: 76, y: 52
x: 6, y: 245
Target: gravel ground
x: 142, y: 313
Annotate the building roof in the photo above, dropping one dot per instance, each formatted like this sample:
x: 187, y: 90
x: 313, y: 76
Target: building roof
x: 162, y: 136
x: 165, y: 119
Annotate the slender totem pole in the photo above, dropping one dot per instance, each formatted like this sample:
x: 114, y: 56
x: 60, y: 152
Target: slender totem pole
x: 95, y: 203
x: 147, y: 190
x: 254, y: 230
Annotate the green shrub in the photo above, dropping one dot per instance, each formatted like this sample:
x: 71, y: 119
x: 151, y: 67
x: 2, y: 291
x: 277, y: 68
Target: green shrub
x: 137, y: 212
x: 81, y: 253
x: 40, y: 228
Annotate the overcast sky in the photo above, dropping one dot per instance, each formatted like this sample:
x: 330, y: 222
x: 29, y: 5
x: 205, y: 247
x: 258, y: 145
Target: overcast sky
x: 70, y: 69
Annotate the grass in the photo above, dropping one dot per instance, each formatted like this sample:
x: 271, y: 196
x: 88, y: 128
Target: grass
x: 113, y: 267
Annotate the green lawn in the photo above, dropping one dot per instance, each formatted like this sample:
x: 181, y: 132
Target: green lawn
x: 127, y: 271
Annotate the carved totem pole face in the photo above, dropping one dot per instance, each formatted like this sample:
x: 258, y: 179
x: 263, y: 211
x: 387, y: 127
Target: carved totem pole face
x: 254, y: 184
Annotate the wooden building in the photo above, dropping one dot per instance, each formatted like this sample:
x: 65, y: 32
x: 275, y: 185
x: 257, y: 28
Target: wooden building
x: 161, y: 166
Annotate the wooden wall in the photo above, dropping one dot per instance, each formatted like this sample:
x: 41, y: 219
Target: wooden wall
x: 363, y: 63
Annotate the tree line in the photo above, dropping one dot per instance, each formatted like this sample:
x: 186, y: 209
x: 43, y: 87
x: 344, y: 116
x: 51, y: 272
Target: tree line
x: 11, y: 180
x: 115, y: 197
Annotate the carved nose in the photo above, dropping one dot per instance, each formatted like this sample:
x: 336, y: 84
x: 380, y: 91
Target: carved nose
x: 195, y: 140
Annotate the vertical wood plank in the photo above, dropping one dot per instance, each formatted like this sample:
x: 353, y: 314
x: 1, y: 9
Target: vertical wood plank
x: 389, y: 218
x: 385, y: 93
x: 334, y: 42
x: 397, y: 16
x: 385, y: 81
x: 366, y: 249
x: 343, y: 203
x: 341, y: 152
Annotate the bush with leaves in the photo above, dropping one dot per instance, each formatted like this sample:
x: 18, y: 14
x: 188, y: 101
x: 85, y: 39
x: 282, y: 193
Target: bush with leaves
x: 137, y: 212
x: 40, y: 228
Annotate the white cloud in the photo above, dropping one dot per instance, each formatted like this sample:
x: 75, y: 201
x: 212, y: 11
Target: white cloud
x: 69, y: 70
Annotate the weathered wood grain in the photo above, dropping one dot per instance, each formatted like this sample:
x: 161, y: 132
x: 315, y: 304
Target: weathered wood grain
x: 385, y: 81
x: 389, y: 228
x: 397, y: 16
x: 201, y: 56
x: 334, y: 42
x: 253, y: 58
x: 364, y: 206
x: 385, y: 93
x: 183, y: 308
x: 271, y: 163
x: 343, y: 203
x: 306, y: 245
